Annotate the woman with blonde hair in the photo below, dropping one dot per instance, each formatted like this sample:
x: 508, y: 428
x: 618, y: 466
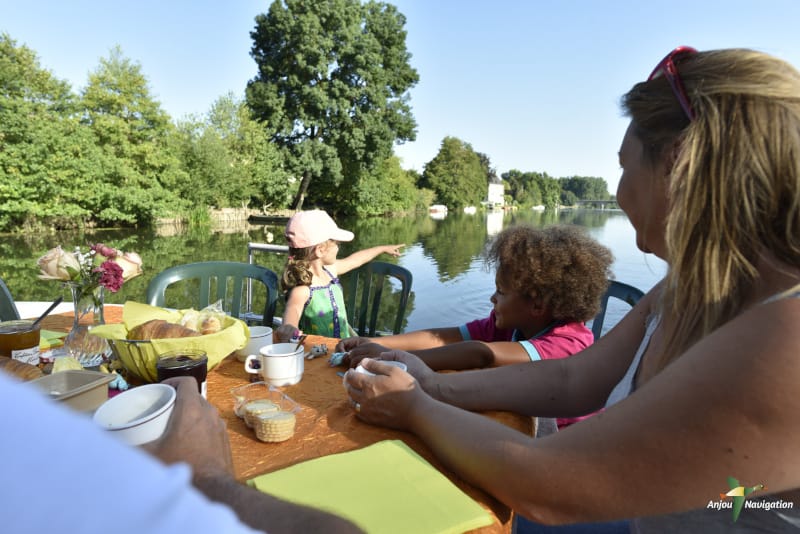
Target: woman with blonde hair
x: 700, y: 379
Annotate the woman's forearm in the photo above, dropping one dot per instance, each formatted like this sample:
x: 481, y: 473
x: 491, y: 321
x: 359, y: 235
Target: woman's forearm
x: 533, y: 388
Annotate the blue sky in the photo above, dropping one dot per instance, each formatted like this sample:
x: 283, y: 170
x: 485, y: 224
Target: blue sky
x: 534, y: 84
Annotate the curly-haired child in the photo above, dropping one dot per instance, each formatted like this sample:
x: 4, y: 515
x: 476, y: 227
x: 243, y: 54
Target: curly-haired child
x: 314, y: 299
x: 548, y: 281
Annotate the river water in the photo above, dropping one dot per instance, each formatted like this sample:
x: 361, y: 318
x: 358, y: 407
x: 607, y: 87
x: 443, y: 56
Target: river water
x: 451, y: 298
x: 451, y: 282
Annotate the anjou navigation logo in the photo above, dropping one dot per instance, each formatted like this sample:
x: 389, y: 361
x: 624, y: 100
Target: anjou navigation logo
x: 738, y: 494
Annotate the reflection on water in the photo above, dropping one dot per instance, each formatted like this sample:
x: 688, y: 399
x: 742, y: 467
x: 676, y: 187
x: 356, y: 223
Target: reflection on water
x: 451, y: 282
x: 494, y: 222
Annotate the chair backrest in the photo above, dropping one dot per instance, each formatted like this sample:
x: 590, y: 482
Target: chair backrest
x: 8, y: 310
x: 619, y: 290
x: 229, y: 285
x: 368, y: 281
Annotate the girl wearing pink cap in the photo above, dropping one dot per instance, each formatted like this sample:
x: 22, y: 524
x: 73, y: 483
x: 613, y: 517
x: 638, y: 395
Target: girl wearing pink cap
x: 314, y: 299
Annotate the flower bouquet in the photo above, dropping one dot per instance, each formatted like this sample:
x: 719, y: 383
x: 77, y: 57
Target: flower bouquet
x: 88, y: 274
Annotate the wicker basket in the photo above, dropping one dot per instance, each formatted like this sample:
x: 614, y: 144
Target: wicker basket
x: 136, y: 357
x: 139, y: 357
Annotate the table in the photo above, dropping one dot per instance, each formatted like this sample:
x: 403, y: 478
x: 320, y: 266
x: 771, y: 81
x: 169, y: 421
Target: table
x: 326, y: 424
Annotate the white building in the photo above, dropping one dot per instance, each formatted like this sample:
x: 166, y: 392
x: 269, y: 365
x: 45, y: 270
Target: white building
x: 494, y: 197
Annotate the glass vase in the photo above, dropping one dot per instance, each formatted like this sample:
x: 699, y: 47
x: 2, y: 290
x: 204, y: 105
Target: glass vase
x: 88, y: 349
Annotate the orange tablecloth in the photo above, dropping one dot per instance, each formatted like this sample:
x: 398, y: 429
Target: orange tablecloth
x: 326, y: 423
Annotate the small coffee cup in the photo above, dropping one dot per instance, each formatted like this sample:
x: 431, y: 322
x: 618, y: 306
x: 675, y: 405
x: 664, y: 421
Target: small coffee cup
x: 280, y: 364
x: 260, y: 336
x: 401, y: 365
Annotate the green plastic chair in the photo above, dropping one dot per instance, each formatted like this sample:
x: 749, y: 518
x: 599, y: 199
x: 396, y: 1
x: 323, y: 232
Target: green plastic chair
x: 619, y: 290
x: 8, y: 310
x: 368, y: 281
x: 211, y: 281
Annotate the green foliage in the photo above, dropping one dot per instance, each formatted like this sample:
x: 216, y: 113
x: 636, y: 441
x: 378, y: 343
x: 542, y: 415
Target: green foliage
x: 199, y: 217
x: 256, y: 161
x: 387, y: 190
x: 533, y: 189
x: 330, y: 99
x: 140, y: 173
x: 586, y: 188
x: 568, y: 198
x: 331, y: 89
x: 456, y: 175
x: 46, y: 159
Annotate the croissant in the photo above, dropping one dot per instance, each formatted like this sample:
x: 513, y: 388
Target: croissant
x: 22, y: 370
x: 160, y: 329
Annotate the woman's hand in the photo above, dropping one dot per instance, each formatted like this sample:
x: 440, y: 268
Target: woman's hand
x: 195, y: 433
x: 425, y: 376
x: 387, y: 399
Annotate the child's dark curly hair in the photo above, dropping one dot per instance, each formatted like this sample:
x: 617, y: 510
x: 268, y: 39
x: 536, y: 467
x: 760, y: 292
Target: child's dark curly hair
x: 561, y: 267
x: 296, y: 272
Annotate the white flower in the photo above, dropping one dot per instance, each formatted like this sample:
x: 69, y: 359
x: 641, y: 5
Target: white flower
x: 57, y: 264
x: 131, y: 264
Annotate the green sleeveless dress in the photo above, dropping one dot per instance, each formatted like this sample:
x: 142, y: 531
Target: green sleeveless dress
x: 324, y: 313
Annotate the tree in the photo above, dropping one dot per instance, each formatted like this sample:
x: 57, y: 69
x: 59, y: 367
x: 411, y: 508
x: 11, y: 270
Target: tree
x: 230, y: 159
x: 331, y: 89
x: 491, y: 172
x: 586, y: 188
x: 549, y: 188
x: 533, y: 188
x: 456, y: 174
x: 389, y: 189
x: 140, y: 171
x: 47, y: 159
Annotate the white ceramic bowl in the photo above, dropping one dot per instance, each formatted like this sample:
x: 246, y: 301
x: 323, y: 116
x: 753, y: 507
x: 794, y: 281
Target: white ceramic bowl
x: 138, y: 415
x: 401, y: 365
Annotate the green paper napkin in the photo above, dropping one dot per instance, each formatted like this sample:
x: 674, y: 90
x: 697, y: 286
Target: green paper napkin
x: 383, y: 488
x: 49, y: 339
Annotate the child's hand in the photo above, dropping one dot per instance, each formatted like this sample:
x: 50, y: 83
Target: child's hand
x: 393, y: 250
x: 285, y: 332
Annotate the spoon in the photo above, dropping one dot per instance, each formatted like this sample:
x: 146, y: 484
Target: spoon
x: 48, y: 310
x: 300, y: 341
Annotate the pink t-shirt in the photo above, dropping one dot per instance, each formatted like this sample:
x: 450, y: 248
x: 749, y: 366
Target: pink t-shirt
x: 558, y: 341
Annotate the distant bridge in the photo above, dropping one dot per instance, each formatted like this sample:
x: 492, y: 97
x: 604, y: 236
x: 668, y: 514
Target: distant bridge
x: 599, y: 204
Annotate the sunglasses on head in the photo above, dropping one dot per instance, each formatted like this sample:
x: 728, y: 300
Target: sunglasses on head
x: 667, y: 68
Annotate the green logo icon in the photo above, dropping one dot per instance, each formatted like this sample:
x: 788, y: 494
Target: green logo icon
x: 738, y: 493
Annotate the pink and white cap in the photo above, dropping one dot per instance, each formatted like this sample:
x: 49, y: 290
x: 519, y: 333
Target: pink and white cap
x: 309, y: 228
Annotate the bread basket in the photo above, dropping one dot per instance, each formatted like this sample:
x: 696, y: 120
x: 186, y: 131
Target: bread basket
x: 139, y: 357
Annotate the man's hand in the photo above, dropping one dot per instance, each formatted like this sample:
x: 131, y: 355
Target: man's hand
x: 195, y: 433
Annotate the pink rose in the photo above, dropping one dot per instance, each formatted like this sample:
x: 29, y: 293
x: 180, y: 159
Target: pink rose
x: 105, y: 251
x: 131, y: 264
